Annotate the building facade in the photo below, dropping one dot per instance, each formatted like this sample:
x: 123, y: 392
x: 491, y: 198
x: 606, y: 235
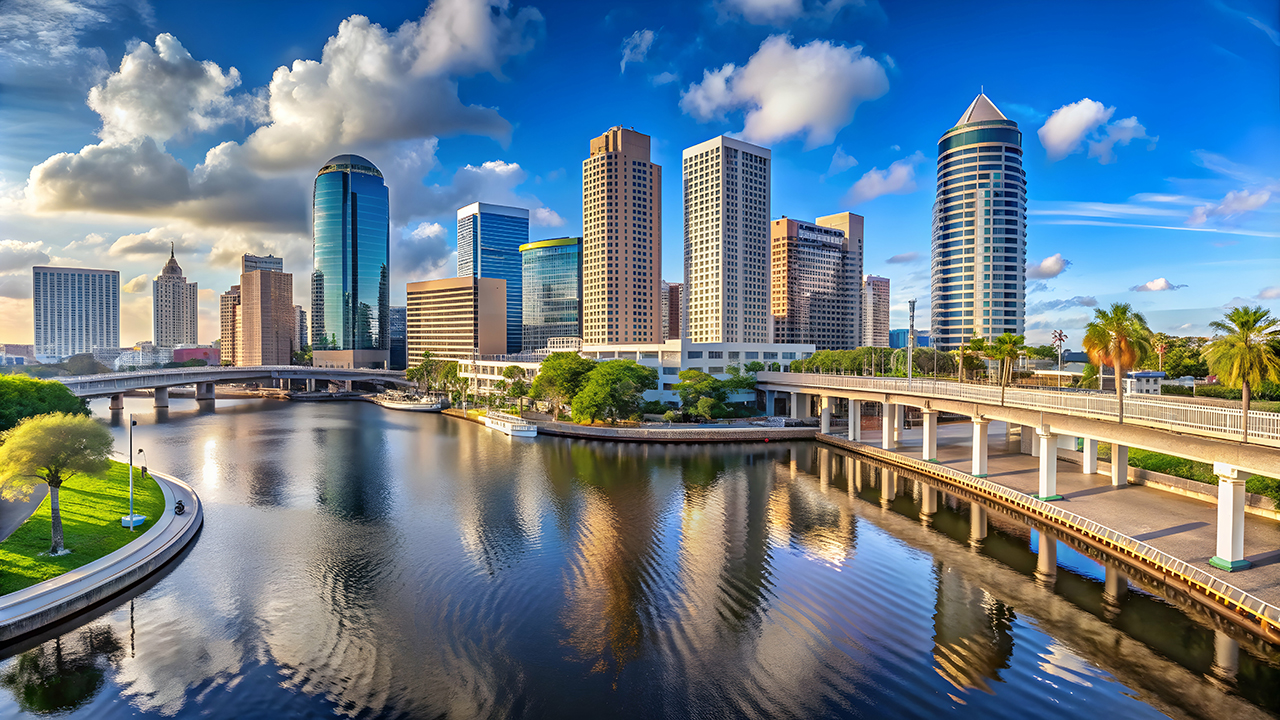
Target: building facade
x: 898, y: 338
x: 979, y: 229
x: 229, y: 325
x: 622, y: 240
x: 875, y: 311
x: 816, y: 281
x: 300, y: 322
x: 249, y: 263
x: 552, y: 287
x: 267, y: 333
x: 350, y: 281
x: 74, y: 311
x: 489, y: 240
x: 726, y: 241
x: 174, y: 307
x: 399, y: 337
x: 673, y: 311
x: 456, y: 318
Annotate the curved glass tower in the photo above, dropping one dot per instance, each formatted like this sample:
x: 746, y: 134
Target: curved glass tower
x: 979, y: 229
x: 350, y: 281
x: 552, y: 291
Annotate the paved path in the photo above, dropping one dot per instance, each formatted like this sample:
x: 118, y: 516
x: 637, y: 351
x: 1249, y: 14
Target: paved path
x: 1181, y: 526
x: 14, y: 513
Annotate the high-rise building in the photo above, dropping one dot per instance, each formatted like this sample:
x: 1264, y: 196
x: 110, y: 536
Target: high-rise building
x: 979, y: 229
x: 552, y: 290
x: 816, y: 294
x: 726, y: 241
x: 229, y: 324
x: 174, y: 306
x: 267, y: 333
x: 399, y: 338
x: 300, y: 322
x: 622, y: 240
x: 75, y: 310
x: 456, y: 318
x: 350, y: 281
x: 249, y: 263
x: 875, y: 311
x: 489, y: 240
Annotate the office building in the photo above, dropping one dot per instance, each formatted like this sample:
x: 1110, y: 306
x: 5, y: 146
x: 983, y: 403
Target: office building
x: 174, y: 307
x: 350, y: 281
x: 898, y: 338
x: 875, y: 311
x: 552, y: 287
x: 267, y: 333
x: 673, y: 311
x: 300, y: 322
x: 726, y: 241
x: 74, y: 311
x: 229, y: 325
x: 249, y: 263
x: 489, y: 240
x: 399, y: 338
x: 622, y: 240
x: 456, y: 318
x: 816, y: 271
x: 979, y: 229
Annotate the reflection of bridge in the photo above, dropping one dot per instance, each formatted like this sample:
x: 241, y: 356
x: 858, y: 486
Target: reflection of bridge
x: 115, y: 385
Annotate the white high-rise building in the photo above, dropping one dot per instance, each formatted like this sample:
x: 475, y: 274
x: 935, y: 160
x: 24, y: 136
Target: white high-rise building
x: 174, y: 304
x: 875, y: 311
x: 726, y: 241
x: 75, y: 311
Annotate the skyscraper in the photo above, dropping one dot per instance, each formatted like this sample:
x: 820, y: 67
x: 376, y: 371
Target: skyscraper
x: 267, y: 334
x: 816, y: 283
x: 75, y: 310
x: 399, y: 335
x: 456, y: 318
x: 229, y: 324
x: 174, y: 305
x: 489, y: 240
x: 300, y: 322
x: 875, y: 311
x: 979, y: 229
x: 249, y: 263
x: 350, y: 282
x: 726, y: 241
x: 622, y: 240
x: 552, y: 291
x: 676, y: 319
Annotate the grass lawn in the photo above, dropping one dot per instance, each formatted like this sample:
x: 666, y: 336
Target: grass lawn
x: 1189, y: 469
x: 91, y: 510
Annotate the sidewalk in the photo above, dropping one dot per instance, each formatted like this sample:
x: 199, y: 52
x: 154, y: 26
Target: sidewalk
x: 15, y: 512
x: 1181, y: 526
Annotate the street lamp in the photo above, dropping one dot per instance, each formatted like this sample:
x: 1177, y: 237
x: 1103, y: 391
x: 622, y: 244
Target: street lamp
x: 132, y: 520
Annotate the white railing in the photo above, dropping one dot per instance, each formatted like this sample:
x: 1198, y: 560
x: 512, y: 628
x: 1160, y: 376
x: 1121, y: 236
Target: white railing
x: 109, y: 383
x: 1264, y: 427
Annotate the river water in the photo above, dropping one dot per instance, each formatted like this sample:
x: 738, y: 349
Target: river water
x: 365, y: 563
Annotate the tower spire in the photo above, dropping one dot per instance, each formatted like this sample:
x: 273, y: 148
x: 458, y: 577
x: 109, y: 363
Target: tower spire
x: 171, y: 251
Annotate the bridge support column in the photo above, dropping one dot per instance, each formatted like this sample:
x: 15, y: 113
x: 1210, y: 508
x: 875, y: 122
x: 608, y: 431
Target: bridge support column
x: 204, y: 391
x: 1119, y: 465
x: 162, y: 397
x: 1048, y: 467
x: 977, y: 525
x: 1090, y: 457
x: 117, y: 402
x: 795, y: 405
x: 825, y: 404
x: 981, y: 426
x: 899, y: 421
x: 855, y: 420
x: 888, y: 435
x: 1047, y: 561
x: 311, y: 384
x: 857, y: 475
x: 1030, y: 439
x: 929, y: 451
x: 1230, y: 555
x: 770, y: 400
x: 928, y: 504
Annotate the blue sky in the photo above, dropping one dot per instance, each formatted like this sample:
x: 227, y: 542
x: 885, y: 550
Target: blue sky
x: 1151, y: 132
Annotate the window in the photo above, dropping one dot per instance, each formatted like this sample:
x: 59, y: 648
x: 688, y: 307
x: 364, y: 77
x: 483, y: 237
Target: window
x: 788, y: 356
x: 715, y: 355
x: 715, y: 370
x: 733, y: 354
x: 771, y: 356
x: 752, y: 355
x: 670, y: 371
x: 695, y: 354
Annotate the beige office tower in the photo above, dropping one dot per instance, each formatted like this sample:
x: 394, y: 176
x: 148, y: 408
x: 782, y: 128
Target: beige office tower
x: 726, y: 241
x: 816, y: 294
x: 875, y: 311
x: 622, y: 241
x: 267, y: 332
x: 174, y: 306
x: 456, y: 318
x: 229, y: 317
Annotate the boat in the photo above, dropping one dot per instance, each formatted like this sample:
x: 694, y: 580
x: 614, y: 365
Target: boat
x: 510, y: 424
x: 395, y: 400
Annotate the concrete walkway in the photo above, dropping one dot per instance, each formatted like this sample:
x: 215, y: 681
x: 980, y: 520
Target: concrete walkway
x: 15, y: 512
x: 1181, y: 526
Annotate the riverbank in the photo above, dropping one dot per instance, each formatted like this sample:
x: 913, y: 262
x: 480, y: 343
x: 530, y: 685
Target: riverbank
x: 694, y: 434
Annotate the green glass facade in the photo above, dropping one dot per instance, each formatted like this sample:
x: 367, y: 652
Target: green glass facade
x: 552, y: 292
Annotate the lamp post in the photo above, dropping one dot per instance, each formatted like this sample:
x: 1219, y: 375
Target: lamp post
x: 132, y: 520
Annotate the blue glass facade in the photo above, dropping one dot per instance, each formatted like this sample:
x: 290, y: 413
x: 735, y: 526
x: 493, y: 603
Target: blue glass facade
x: 552, y: 291
x: 489, y: 240
x: 350, y: 282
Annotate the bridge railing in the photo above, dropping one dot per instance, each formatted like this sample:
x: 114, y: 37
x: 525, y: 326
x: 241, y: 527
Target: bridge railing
x: 168, y: 377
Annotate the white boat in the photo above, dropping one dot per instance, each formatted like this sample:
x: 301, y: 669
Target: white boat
x: 412, y: 403
x: 510, y: 424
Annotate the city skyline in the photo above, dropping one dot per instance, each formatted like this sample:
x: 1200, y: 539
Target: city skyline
x: 1115, y: 164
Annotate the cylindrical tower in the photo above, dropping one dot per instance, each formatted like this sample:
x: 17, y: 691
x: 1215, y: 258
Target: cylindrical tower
x: 979, y: 229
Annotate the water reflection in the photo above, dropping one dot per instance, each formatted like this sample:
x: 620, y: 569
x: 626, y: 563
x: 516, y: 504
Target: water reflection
x: 64, y: 674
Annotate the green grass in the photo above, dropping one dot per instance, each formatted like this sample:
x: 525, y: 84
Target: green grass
x: 1191, y: 470
x: 91, y: 510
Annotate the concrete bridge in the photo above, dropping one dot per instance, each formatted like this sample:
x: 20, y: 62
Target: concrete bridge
x: 115, y: 385
x: 1207, y: 433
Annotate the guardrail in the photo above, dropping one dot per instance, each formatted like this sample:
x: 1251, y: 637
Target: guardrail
x: 108, y: 383
x: 1224, y: 593
x: 1224, y: 422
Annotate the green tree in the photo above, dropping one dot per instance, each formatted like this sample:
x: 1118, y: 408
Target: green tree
x: 696, y: 386
x: 612, y: 390
x: 1241, y: 353
x: 560, y: 379
x: 426, y: 374
x: 451, y: 382
x: 24, y: 397
x: 51, y: 449
x: 1118, y: 337
x: 754, y: 367
x: 300, y: 357
x: 1005, y: 350
x: 1043, y: 352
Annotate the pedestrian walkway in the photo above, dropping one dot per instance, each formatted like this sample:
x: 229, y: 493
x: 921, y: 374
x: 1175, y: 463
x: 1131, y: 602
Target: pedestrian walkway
x: 1181, y: 526
x: 15, y: 512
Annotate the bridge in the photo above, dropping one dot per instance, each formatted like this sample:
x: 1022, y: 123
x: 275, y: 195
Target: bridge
x: 115, y: 385
x: 1206, y: 433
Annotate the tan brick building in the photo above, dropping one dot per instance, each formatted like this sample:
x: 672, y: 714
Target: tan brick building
x: 456, y: 317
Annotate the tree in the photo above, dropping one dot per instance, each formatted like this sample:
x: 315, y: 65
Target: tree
x: 300, y: 357
x: 1241, y: 353
x: 1118, y: 337
x: 1005, y: 350
x: 451, y: 382
x: 612, y: 390
x: 1043, y: 352
x: 51, y: 449
x: 754, y: 367
x: 561, y: 378
x: 24, y: 397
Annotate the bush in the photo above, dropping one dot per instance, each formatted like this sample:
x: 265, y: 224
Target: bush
x: 1176, y: 390
x: 670, y: 416
x: 1218, y: 391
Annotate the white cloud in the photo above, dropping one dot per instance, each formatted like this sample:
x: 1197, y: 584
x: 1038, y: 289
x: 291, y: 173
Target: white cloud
x: 1157, y: 285
x: 545, y: 217
x: 898, y: 179
x: 424, y: 251
x: 840, y: 161
x: 494, y: 181
x: 904, y: 258
x: 782, y: 12
x: 17, y: 256
x: 18, y: 287
x: 1067, y: 129
x: 40, y: 42
x: 1269, y: 293
x: 1052, y: 305
x: 1119, y: 132
x: 811, y: 90
x: 1234, y: 204
x: 154, y: 243
x: 636, y: 47
x: 1050, y: 267
x: 91, y: 241
x: 136, y: 285
x: 664, y: 78
x: 1038, y: 286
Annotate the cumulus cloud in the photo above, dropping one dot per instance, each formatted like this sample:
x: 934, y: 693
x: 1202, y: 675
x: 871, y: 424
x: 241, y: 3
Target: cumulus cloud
x: 782, y: 12
x: 1157, y: 285
x: 16, y: 255
x: 494, y: 181
x: 1068, y: 128
x: 664, y: 78
x: 1119, y: 132
x: 1269, y: 293
x: 1038, y: 286
x: 91, y: 241
x: 904, y: 258
x: 16, y: 286
x: 898, y: 179
x: 545, y: 217
x: 811, y: 90
x: 1050, y: 267
x: 840, y: 161
x: 1050, y: 305
x: 424, y: 251
x: 136, y: 285
x: 1234, y: 204
x: 636, y: 47
x: 153, y: 243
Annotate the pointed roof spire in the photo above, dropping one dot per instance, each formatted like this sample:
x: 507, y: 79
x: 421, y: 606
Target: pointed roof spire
x: 981, y: 109
x: 171, y: 257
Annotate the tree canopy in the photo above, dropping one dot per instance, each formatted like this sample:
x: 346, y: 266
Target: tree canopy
x: 612, y: 391
x: 23, y: 397
x: 1118, y: 337
x: 1242, y: 353
x: 560, y: 379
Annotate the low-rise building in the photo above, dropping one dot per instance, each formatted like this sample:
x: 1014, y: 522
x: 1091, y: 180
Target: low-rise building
x: 1143, y: 382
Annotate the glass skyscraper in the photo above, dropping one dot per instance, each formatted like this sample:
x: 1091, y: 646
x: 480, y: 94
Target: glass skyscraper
x: 552, y: 290
x: 350, y: 283
x: 489, y: 240
x: 979, y: 229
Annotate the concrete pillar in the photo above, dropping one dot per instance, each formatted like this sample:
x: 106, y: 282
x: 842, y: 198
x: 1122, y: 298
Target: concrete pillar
x: 1226, y: 657
x: 928, y: 504
x: 825, y: 404
x: 929, y: 451
x: 770, y: 400
x: 1090, y: 457
x: 855, y: 420
x: 980, y: 428
x: 1048, y: 467
x: 204, y: 391
x: 887, y: 433
x: 1047, y: 561
x: 795, y: 405
x: 1119, y: 465
x: 899, y: 420
x: 117, y: 402
x: 162, y: 397
x: 1230, y: 555
x: 1029, y: 434
x: 977, y: 524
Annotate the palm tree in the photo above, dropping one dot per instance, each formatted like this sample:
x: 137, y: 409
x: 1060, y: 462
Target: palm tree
x: 1005, y: 350
x: 1118, y: 337
x: 1241, y: 354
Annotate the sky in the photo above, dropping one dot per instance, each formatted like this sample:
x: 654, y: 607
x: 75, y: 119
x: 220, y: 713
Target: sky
x: 1151, y: 133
